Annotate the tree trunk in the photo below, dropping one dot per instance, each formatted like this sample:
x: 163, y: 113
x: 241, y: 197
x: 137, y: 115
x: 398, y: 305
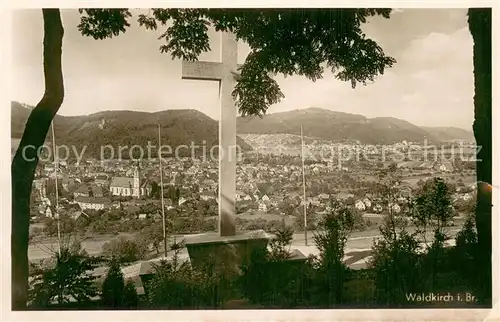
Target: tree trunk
x: 480, y: 29
x: 26, y: 158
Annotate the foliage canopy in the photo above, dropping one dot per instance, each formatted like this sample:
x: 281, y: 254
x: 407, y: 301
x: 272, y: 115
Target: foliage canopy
x: 282, y: 41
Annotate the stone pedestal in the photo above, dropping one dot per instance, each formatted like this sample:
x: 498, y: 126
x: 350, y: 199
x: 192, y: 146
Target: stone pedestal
x: 225, y: 254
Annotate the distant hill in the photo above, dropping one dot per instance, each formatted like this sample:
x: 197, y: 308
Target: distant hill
x: 449, y: 133
x: 128, y: 128
x: 335, y: 126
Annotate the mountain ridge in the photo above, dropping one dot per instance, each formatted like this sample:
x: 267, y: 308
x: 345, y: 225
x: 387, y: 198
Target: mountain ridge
x: 450, y: 133
x: 341, y: 126
x: 179, y: 128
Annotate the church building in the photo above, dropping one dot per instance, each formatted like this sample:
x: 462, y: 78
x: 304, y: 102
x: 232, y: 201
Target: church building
x: 129, y: 187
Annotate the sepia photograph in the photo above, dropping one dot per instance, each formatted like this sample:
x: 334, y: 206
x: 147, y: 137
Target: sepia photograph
x: 251, y: 159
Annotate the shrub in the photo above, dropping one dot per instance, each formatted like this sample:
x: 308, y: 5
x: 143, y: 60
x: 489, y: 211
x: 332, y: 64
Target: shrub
x: 465, y: 252
x: 176, y: 285
x: 395, y: 263
x: 433, y: 208
x: 269, y: 278
x: 124, y: 250
x: 130, y: 297
x: 331, y: 239
x: 67, y: 278
x: 113, y: 286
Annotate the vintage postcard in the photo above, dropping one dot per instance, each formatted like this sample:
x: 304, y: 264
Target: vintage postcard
x: 254, y: 162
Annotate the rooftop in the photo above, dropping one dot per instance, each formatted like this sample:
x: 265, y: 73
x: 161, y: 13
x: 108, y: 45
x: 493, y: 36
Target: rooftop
x: 93, y: 200
x: 122, y: 182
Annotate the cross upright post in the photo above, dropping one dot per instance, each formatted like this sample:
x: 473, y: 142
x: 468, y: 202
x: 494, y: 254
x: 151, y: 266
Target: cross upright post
x: 223, y: 72
x: 227, y: 250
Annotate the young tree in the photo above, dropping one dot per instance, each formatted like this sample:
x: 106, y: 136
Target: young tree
x: 331, y: 240
x: 466, y: 254
x: 153, y: 235
x: 315, y: 38
x: 155, y: 190
x: 113, y: 286
x: 130, y: 297
x: 175, y: 285
x: 433, y: 208
x: 299, y: 218
x: 395, y: 261
x: 281, y: 242
x: 387, y: 189
x: 69, y: 277
x: 284, y: 278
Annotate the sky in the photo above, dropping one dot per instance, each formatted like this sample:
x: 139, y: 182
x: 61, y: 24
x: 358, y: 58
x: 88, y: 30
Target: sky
x: 430, y: 85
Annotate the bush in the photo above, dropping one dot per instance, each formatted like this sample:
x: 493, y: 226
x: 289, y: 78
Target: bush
x: 130, y: 297
x: 113, y: 286
x: 268, y: 278
x: 465, y: 252
x: 178, y: 286
x: 396, y: 268
x: 433, y: 208
x: 311, y: 221
x: 67, y: 278
x: 124, y: 250
x: 396, y: 263
x: 331, y: 240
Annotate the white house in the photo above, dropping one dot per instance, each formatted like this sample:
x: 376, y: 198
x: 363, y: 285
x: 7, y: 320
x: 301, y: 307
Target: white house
x: 207, y: 195
x: 395, y: 207
x: 263, y: 207
x: 377, y: 208
x: 239, y: 195
x: 265, y: 198
x: 48, y: 212
x: 360, y: 205
x: 323, y: 196
x: 446, y: 167
x: 77, y: 214
x: 367, y: 202
x: 94, y: 203
x: 315, y: 201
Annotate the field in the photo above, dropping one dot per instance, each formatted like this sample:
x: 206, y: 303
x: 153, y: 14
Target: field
x: 358, y: 241
x: 93, y: 245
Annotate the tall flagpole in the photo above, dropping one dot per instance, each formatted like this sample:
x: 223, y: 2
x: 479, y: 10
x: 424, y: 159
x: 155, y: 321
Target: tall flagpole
x: 56, y: 166
x: 161, y: 189
x: 303, y: 184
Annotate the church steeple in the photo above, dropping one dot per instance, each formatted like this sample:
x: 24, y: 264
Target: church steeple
x: 136, y: 171
x: 137, y: 182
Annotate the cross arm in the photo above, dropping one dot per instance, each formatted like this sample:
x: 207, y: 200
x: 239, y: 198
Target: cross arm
x: 202, y: 70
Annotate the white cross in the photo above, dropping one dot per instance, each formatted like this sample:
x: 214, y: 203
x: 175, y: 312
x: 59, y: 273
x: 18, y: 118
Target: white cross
x: 224, y: 73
